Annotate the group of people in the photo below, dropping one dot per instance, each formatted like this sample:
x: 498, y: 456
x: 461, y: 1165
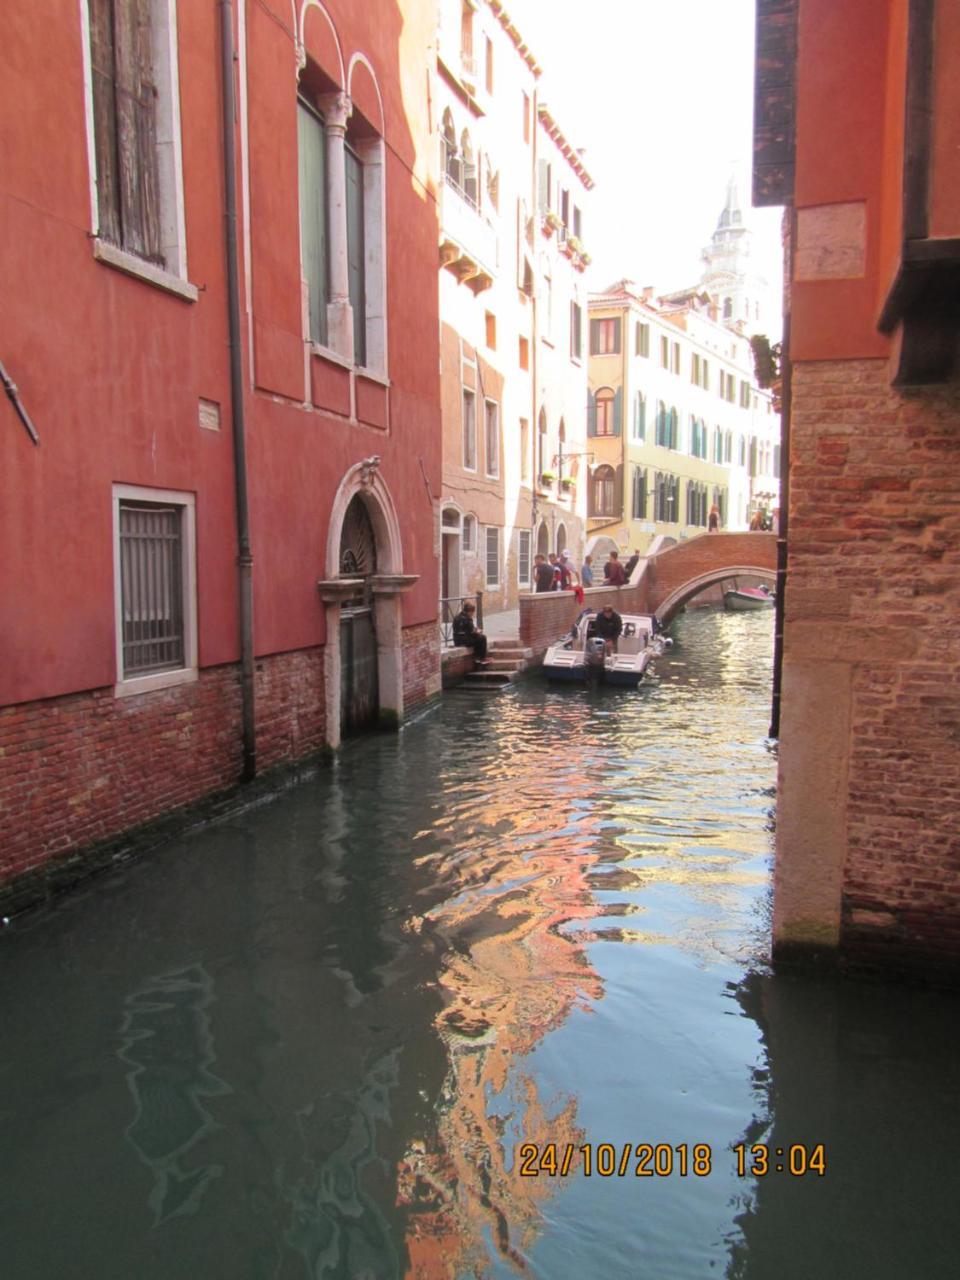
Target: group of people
x: 555, y: 572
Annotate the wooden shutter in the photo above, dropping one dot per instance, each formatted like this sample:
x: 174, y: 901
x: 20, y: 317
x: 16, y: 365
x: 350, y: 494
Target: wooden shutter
x: 136, y: 125
x: 355, y: 255
x: 105, y: 118
x: 313, y: 217
x: 543, y: 186
x: 591, y: 404
x: 618, y: 409
x: 616, y: 337
x: 618, y: 491
x: 594, y: 337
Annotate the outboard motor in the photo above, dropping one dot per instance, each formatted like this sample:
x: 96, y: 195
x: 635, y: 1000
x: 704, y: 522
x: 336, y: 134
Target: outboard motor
x: 594, y: 655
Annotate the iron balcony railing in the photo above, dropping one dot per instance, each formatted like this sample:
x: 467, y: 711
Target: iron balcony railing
x: 450, y: 607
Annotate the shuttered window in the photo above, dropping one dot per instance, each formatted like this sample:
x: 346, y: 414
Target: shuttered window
x: 492, y: 437
x: 151, y: 587
x: 125, y: 126
x: 493, y: 556
x: 523, y: 558
x: 356, y: 247
x: 311, y: 142
x: 469, y: 430
x: 605, y: 337
x: 643, y: 340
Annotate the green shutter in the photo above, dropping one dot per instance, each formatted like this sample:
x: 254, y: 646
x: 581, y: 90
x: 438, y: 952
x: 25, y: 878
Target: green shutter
x: 543, y: 186
x: 618, y: 409
x: 591, y: 409
x: 311, y: 144
x: 616, y: 337
x: 594, y: 337
x: 355, y: 255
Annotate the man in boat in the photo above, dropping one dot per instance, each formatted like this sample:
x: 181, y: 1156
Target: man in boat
x: 607, y: 626
x: 465, y: 633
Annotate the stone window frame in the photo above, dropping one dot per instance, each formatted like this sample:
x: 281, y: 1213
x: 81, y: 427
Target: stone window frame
x: 127, y: 686
x: 172, y: 275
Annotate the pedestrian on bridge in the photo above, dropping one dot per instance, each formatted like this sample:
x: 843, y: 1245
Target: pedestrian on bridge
x: 613, y: 571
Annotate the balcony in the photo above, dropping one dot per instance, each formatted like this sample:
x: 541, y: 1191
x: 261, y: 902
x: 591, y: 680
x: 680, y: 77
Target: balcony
x: 468, y: 242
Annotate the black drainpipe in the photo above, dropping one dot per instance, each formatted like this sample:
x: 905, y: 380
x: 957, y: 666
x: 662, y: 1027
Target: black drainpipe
x: 244, y: 554
x: 786, y: 409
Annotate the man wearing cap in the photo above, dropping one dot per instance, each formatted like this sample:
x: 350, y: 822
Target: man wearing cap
x: 607, y: 626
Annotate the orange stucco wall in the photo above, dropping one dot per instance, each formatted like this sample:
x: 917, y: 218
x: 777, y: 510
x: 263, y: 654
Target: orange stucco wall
x: 945, y: 187
x: 843, y: 58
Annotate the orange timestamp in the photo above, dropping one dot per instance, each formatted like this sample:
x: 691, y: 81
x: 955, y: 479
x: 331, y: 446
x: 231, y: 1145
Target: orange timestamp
x: 609, y: 1160
x: 663, y: 1160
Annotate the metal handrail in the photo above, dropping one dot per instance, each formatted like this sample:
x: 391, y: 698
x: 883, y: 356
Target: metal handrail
x: 450, y: 607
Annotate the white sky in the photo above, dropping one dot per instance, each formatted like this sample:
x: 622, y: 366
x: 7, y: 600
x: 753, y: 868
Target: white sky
x: 659, y: 93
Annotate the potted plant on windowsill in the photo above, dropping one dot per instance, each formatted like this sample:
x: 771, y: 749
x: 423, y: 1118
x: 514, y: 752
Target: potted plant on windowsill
x: 566, y: 484
x: 547, y: 478
x: 551, y: 222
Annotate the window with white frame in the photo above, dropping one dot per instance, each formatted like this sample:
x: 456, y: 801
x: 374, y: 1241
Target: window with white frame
x: 523, y: 558
x: 155, y: 588
x: 491, y: 437
x: 492, y: 556
x: 469, y: 533
x: 469, y: 430
x: 346, y: 313
x: 135, y: 139
x: 642, y: 344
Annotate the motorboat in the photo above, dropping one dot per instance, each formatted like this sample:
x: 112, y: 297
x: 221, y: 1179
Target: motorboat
x: 581, y: 656
x: 747, y: 599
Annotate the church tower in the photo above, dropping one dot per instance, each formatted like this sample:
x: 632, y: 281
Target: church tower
x: 728, y: 272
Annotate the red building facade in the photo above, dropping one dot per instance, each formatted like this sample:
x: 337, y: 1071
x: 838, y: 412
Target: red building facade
x: 858, y: 103
x: 124, y: 626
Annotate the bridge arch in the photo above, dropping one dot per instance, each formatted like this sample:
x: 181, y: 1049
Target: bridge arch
x: 680, y: 595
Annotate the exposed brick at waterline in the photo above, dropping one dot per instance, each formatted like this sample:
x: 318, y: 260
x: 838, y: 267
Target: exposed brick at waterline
x: 875, y: 584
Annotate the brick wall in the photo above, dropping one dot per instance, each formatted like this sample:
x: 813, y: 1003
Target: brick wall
x: 456, y: 663
x: 421, y: 665
x: 547, y: 616
x: 873, y: 597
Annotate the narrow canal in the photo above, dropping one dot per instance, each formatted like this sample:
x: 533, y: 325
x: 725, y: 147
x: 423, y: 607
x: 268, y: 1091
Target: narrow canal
x: 315, y: 1041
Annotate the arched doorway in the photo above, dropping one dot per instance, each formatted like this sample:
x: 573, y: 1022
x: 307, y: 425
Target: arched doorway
x: 361, y: 590
x: 561, y: 537
x: 359, y: 684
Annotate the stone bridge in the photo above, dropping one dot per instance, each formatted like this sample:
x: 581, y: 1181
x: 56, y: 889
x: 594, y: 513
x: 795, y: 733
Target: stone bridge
x: 660, y: 584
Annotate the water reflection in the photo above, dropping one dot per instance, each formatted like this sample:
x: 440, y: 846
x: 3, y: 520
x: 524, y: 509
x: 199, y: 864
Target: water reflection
x: 537, y: 917
x: 167, y: 1041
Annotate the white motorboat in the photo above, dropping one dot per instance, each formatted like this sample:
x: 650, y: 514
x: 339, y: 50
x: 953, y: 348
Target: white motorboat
x: 747, y: 599
x: 581, y: 656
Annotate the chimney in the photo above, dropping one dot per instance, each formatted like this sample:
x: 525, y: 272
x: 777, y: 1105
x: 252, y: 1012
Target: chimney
x: 648, y: 293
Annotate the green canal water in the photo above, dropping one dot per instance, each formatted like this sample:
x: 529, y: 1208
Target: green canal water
x: 326, y: 1038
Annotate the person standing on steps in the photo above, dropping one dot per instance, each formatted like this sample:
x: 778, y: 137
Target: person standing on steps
x: 613, y: 571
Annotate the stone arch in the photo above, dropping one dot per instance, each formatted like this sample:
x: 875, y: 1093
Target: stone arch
x: 364, y: 91
x: 323, y: 44
x: 693, y: 587
x: 561, y: 542
x: 364, y: 479
x: 543, y: 539
x: 364, y: 482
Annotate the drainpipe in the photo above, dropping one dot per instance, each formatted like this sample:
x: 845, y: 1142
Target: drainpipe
x: 534, y: 342
x: 786, y: 406
x: 244, y: 554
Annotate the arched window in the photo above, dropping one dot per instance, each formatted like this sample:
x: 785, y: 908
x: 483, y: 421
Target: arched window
x: 728, y: 308
x: 542, y: 460
x: 561, y: 537
x: 674, y: 432
x: 605, y: 412
x: 471, y: 187
x: 639, y: 493
x: 543, y: 539
x: 469, y: 533
x: 452, y: 166
x: 603, y: 491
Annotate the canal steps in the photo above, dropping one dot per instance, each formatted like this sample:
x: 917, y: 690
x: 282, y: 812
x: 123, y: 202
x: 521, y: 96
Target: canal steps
x: 506, y: 658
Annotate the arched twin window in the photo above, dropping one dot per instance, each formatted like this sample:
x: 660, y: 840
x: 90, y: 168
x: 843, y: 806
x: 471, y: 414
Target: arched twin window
x: 603, y: 484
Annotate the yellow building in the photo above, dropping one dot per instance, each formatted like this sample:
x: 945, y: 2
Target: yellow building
x: 676, y: 421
